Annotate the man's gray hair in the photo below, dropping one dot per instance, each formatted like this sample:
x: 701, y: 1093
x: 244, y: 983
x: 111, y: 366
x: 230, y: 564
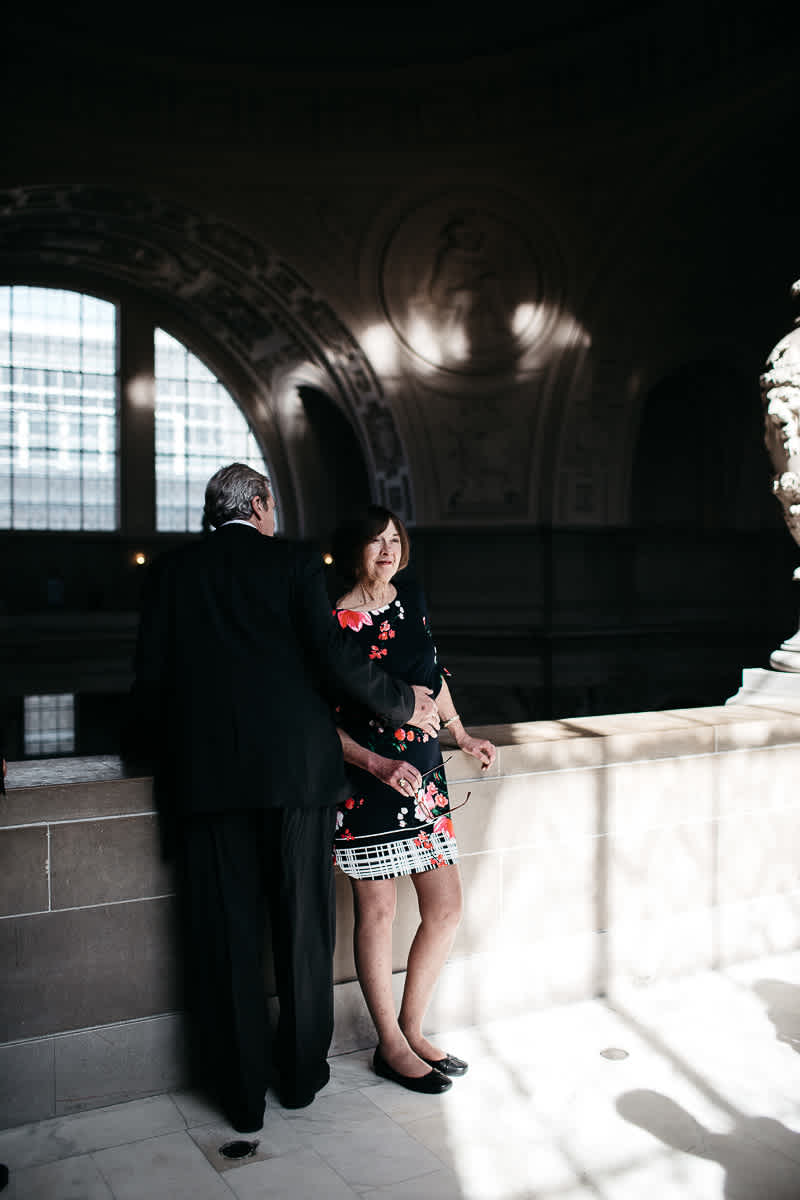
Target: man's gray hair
x: 230, y: 492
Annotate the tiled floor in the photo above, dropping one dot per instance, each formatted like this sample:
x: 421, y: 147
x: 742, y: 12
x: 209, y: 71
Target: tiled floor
x: 703, y: 1103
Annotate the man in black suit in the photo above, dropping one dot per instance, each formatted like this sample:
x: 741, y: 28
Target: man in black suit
x: 237, y: 655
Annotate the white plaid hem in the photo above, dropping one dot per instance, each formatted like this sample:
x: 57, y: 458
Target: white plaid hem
x: 390, y: 859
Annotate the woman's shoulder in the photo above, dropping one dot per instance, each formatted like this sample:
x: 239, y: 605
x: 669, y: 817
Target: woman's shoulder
x: 346, y: 601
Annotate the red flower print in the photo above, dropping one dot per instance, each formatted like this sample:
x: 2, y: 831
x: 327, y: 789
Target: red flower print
x: 437, y: 861
x: 349, y: 802
x: 427, y: 803
x: 444, y: 825
x: 423, y: 842
x: 350, y: 619
x: 400, y: 734
x: 410, y: 735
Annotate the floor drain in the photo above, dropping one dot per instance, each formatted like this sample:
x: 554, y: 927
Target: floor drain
x: 238, y: 1149
x: 613, y: 1052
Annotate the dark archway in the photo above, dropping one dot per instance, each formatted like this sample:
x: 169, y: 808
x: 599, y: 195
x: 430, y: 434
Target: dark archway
x: 700, y: 462
x: 332, y: 457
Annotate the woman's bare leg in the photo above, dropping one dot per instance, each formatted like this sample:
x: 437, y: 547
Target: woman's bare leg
x: 375, y: 901
x: 440, y: 903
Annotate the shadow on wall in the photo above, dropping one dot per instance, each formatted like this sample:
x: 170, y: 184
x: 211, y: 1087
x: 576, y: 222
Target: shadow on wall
x: 700, y: 460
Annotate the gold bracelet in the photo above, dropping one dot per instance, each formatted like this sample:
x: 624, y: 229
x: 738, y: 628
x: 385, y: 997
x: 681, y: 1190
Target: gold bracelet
x: 449, y: 721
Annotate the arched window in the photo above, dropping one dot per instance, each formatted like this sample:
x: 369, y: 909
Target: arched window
x: 198, y: 428
x: 61, y: 417
x: 58, y: 410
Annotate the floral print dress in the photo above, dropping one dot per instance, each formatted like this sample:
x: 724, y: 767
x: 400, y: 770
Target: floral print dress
x: 381, y: 834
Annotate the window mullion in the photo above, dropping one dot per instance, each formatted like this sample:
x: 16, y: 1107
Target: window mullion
x: 137, y: 390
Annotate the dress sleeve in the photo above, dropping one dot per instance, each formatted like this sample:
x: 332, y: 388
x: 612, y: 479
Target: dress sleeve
x: 427, y: 669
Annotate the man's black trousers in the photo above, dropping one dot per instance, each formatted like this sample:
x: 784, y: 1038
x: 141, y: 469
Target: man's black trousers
x: 241, y: 874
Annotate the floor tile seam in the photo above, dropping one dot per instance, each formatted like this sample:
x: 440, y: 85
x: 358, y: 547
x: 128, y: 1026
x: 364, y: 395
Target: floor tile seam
x: 51, y: 912
x: 310, y: 1150
x: 405, y: 1179
x: 217, y: 1175
x: 87, y: 820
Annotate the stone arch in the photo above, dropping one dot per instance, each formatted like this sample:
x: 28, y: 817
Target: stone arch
x: 265, y: 320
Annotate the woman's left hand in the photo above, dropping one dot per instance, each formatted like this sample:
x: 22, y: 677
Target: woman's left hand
x: 480, y: 748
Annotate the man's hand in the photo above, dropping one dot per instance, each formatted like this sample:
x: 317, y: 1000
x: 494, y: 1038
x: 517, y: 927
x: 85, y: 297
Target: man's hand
x: 425, y: 715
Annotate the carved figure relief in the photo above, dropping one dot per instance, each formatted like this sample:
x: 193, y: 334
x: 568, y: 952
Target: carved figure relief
x: 461, y: 287
x: 780, y: 390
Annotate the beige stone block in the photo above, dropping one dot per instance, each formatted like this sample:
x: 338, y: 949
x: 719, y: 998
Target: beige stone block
x: 547, y: 894
x: 559, y: 749
x: 757, y: 726
x: 661, y: 792
x: 94, y: 862
x: 550, y: 809
x: 654, y: 875
x: 459, y: 765
x: 642, y: 952
x: 510, y: 982
x: 758, y: 779
x: 628, y: 737
x: 482, y: 887
x: 757, y: 928
x: 758, y: 855
x: 68, y: 802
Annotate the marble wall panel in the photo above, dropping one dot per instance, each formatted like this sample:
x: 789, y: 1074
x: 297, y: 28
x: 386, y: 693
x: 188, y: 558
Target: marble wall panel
x: 116, y: 1063
x: 95, y: 862
x: 97, y: 798
x: 540, y: 809
x: 661, y: 793
x: 759, y: 779
x: 758, y: 854
x: 656, y: 874
x: 27, y: 1082
x: 82, y: 967
x: 23, y: 870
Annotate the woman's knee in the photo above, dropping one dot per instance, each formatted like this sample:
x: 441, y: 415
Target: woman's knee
x: 374, y: 902
x: 440, y: 897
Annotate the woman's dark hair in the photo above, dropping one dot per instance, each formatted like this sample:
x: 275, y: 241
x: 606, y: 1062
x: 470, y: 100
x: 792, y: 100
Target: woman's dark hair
x: 356, y: 532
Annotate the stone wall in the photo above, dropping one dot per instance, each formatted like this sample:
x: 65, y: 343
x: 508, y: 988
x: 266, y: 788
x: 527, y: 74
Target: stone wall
x: 598, y: 852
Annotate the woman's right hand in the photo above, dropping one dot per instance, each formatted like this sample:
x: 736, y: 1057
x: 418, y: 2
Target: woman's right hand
x: 402, y: 776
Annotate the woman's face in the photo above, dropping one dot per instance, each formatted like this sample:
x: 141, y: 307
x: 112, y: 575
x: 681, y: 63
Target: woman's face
x: 381, y: 557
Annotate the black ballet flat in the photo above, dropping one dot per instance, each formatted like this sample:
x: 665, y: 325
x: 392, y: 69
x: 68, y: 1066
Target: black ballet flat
x: 431, y: 1084
x: 449, y: 1065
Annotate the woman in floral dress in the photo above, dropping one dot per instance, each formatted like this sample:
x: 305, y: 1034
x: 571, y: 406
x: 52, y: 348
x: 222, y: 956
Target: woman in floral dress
x: 396, y: 820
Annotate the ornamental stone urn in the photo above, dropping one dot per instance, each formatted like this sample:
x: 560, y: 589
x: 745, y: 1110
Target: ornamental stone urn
x: 780, y: 391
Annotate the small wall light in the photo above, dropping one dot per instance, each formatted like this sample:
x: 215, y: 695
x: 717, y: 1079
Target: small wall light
x: 140, y: 559
x: 327, y: 559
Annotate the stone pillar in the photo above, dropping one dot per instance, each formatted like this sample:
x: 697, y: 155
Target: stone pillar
x: 780, y: 391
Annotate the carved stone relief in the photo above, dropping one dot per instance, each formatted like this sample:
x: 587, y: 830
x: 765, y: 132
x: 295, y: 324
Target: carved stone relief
x: 780, y: 391
x: 248, y: 300
x: 462, y: 286
x: 479, y: 448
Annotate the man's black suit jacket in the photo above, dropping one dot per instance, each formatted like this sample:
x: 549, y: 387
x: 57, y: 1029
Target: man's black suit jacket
x: 238, y: 657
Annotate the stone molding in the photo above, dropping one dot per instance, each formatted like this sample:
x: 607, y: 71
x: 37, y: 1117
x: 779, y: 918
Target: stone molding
x: 247, y: 300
